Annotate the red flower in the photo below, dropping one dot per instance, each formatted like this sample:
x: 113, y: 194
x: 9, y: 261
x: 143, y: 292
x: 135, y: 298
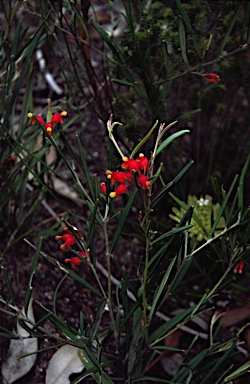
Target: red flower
x: 130, y: 164
x: 116, y: 177
x: 74, y: 261
x: 239, y: 267
x: 58, y: 117
x: 121, y: 189
x: 68, y: 239
x: 143, y: 182
x: 143, y: 162
x: 77, y: 260
x: 86, y: 257
x: 211, y: 77
x: 49, y: 128
x: 103, y: 188
x: 34, y: 119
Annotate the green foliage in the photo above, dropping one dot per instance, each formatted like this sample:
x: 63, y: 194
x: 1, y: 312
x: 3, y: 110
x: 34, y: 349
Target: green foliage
x: 204, y: 214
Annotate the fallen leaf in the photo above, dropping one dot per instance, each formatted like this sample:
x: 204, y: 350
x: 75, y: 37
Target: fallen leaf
x: 14, y: 368
x: 172, y: 363
x: 235, y: 316
x: 62, y: 364
x: 173, y: 339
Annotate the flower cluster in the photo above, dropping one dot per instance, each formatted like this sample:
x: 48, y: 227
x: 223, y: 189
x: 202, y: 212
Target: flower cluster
x: 55, y: 119
x: 239, y: 267
x: 68, y: 240
x: 211, y: 77
x: 132, y: 170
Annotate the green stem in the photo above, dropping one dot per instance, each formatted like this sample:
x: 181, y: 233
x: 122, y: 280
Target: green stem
x: 108, y: 257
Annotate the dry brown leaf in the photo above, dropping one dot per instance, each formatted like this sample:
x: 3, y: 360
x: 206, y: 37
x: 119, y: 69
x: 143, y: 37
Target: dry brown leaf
x: 235, y: 316
x: 173, y: 339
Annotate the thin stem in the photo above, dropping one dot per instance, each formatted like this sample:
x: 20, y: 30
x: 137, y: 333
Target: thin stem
x: 221, y: 58
x: 108, y: 257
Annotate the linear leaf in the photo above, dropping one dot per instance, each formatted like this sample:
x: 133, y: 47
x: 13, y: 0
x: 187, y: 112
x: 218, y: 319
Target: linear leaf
x: 169, y: 140
x: 165, y: 189
x: 216, y: 221
x: 122, y: 219
x: 182, y: 38
x: 32, y: 273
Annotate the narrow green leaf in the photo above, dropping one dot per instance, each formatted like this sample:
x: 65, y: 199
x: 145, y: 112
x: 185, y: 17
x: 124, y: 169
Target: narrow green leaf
x: 185, y: 207
x: 161, y: 252
x: 169, y: 140
x: 216, y: 221
x: 91, y: 223
x: 8, y: 285
x: 161, y: 288
x: 89, y: 361
x: 123, y: 82
x: 143, y: 141
x: 32, y: 273
x: 184, y: 372
x: 162, y: 331
x: 165, y: 189
x: 182, y: 38
x: 171, y: 233
x: 241, y: 185
x: 238, y: 372
x: 98, y: 317
x: 223, y: 358
x: 230, y: 28
x: 190, y: 29
x: 61, y: 325
x: 122, y: 219
x: 85, y: 167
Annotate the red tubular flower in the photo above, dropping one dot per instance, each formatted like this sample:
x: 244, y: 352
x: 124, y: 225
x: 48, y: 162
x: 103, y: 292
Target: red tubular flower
x: 103, y: 188
x: 212, y: 77
x: 116, y: 177
x: 239, y: 267
x: 86, y: 258
x: 58, y: 117
x: 143, y: 182
x: 74, y: 261
x: 68, y: 239
x: 130, y: 164
x: 143, y: 162
x: 34, y: 118
x: 49, y: 128
x: 121, y: 189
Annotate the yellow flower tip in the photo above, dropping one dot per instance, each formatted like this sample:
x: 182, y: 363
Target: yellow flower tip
x: 124, y: 158
x: 112, y: 195
x: 30, y: 115
x: 49, y: 130
x: 141, y: 155
x: 108, y: 177
x: 64, y: 113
